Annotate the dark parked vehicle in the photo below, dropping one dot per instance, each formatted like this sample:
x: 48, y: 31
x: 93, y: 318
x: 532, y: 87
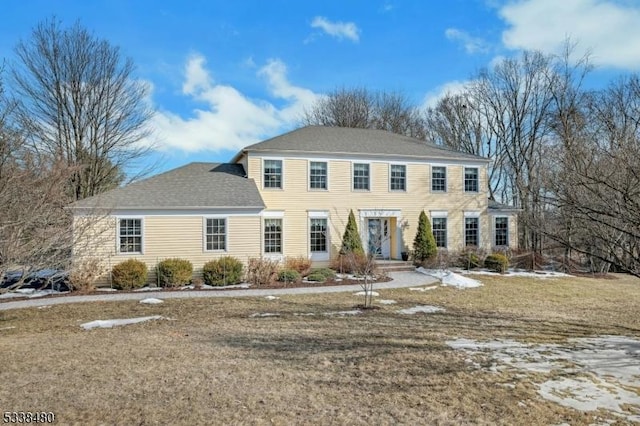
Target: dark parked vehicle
x: 44, y: 279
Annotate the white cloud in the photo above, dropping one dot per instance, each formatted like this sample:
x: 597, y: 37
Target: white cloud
x: 451, y: 88
x: 470, y: 44
x: 231, y: 120
x: 609, y: 29
x: 337, y: 29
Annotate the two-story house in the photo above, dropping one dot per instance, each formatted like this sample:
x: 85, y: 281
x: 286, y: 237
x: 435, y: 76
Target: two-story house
x: 291, y: 196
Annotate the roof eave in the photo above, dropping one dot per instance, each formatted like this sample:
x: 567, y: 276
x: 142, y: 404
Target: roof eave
x: 469, y: 157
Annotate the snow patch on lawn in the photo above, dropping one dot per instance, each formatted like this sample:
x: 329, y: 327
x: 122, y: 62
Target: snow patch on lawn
x: 451, y: 279
x: 151, y: 301
x: 263, y: 315
x: 117, y: 322
x: 597, y: 373
x: 423, y: 289
x: 425, y: 309
x: 271, y: 297
x: 518, y: 273
x: 147, y: 288
x: 369, y: 293
x: 106, y: 289
x: 386, y: 302
x: 343, y: 313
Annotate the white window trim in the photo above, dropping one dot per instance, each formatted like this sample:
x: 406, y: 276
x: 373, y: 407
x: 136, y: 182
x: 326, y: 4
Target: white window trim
x: 439, y: 214
x: 273, y: 256
x: 281, y: 159
x: 493, y: 243
x: 464, y: 168
x: 319, y: 256
x: 406, y: 177
x: 226, y: 233
x: 141, y: 235
x: 475, y: 215
x: 315, y: 160
x: 446, y: 178
x: 370, y: 175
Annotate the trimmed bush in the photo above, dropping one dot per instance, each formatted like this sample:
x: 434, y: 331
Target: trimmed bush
x: 300, y: 264
x: 261, y: 271
x: 288, y: 275
x: 85, y: 272
x: 353, y: 263
x: 469, y: 260
x: 316, y: 277
x: 174, y: 272
x: 497, y: 262
x: 129, y: 274
x: 325, y: 272
x: 224, y: 271
x: 424, y: 244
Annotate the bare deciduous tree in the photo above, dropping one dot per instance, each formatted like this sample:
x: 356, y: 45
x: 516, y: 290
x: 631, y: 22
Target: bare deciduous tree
x: 77, y: 99
x: 361, y: 108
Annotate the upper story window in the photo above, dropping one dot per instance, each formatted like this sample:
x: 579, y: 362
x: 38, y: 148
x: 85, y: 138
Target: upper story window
x: 318, y: 175
x: 439, y: 179
x: 501, y: 231
x: 273, y: 174
x: 471, y: 179
x: 361, y: 176
x: 398, y: 177
x: 216, y: 234
x: 130, y: 236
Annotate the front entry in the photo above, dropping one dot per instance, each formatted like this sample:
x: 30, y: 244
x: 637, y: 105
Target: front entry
x: 379, y: 238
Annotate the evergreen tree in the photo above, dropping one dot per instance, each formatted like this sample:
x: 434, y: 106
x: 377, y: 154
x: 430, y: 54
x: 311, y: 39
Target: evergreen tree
x: 351, y: 242
x: 424, y: 245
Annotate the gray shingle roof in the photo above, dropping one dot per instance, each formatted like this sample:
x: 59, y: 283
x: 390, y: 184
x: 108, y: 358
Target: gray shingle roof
x: 195, y: 185
x: 494, y: 205
x: 344, y: 140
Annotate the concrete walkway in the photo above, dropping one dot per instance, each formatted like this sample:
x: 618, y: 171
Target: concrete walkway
x: 400, y: 280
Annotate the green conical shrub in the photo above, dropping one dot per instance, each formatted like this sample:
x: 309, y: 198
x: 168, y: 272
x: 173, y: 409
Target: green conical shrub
x: 424, y: 245
x: 351, y: 242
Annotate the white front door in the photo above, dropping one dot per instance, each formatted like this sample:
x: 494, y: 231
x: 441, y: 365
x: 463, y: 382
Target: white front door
x: 379, y: 243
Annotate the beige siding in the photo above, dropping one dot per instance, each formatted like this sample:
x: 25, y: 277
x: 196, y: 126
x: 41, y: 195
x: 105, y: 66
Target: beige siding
x: 180, y: 236
x: 295, y: 199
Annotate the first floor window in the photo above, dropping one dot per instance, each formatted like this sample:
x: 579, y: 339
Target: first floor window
x: 398, y: 181
x: 361, y: 176
x: 471, y: 231
x: 273, y: 173
x: 318, y: 235
x: 273, y: 235
x: 440, y: 231
x: 318, y: 175
x: 130, y: 232
x: 470, y: 179
x: 216, y: 234
x: 502, y: 231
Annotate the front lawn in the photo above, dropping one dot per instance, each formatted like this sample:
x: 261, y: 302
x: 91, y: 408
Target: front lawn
x: 315, y: 360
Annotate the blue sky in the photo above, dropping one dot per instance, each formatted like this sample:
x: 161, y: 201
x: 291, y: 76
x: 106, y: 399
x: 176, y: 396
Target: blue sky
x: 225, y: 74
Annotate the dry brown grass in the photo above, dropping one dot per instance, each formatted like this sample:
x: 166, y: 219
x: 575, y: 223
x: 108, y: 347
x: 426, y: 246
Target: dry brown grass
x: 213, y: 364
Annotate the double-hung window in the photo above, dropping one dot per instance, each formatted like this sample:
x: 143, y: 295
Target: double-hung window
x: 318, y: 235
x: 361, y: 177
x: 317, y: 175
x: 439, y: 226
x: 273, y: 174
x: 216, y: 234
x: 471, y: 232
x: 130, y: 235
x: 470, y: 179
x: 398, y: 177
x: 501, y: 231
x: 273, y: 236
x: 438, y: 179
